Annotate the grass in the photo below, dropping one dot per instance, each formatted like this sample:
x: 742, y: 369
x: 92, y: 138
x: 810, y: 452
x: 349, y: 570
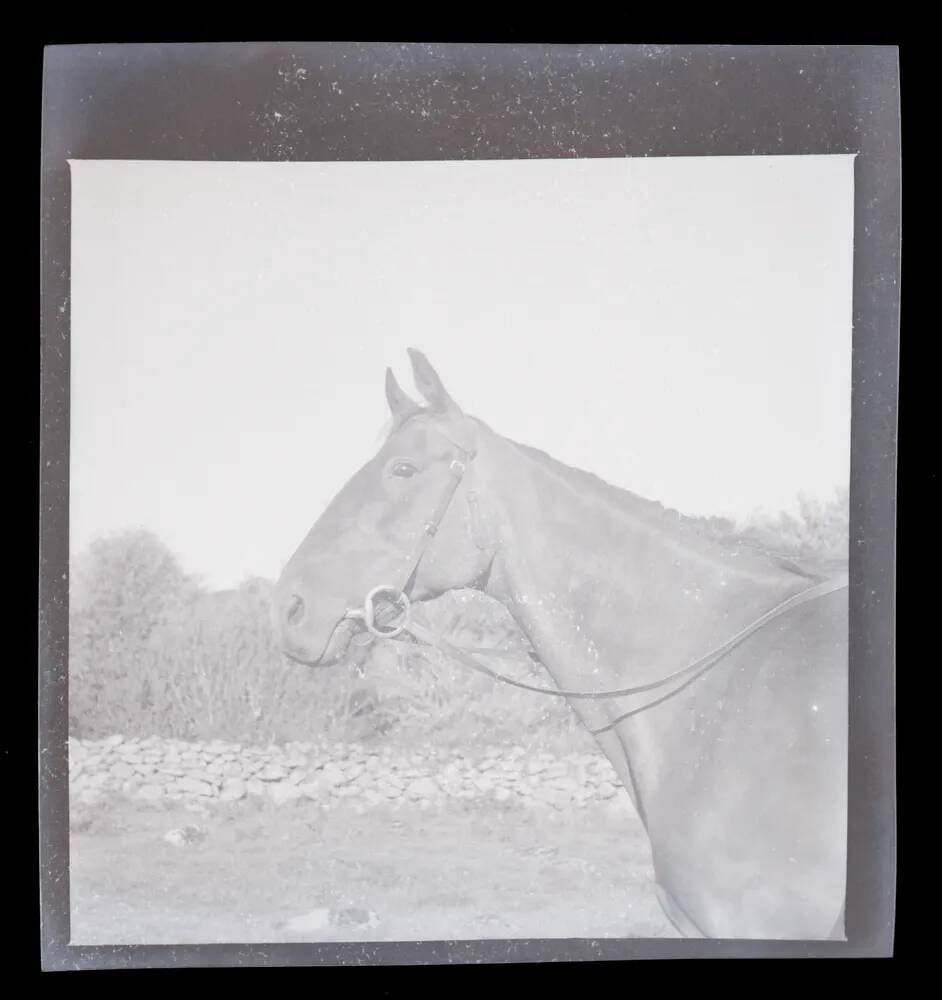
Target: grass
x: 463, y: 873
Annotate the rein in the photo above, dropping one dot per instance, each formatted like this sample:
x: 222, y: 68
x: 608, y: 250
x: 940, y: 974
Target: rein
x: 691, y: 672
x: 398, y: 597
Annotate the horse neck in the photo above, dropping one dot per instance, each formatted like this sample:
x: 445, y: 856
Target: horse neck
x: 613, y: 589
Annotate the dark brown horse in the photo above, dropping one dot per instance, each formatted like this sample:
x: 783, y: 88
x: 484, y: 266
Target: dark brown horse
x: 739, y: 773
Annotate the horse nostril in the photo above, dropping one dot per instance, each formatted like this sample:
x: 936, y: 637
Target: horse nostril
x: 295, y: 611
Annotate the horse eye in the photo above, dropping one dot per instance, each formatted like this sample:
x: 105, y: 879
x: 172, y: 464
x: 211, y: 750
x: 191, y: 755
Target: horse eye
x: 404, y: 469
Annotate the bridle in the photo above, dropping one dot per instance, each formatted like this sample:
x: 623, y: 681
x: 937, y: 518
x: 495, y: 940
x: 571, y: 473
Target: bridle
x: 400, y: 595
x: 398, y: 598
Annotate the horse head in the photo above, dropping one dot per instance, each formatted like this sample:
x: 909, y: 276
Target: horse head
x: 400, y: 529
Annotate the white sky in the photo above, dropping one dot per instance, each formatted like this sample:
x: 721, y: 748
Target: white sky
x: 681, y: 327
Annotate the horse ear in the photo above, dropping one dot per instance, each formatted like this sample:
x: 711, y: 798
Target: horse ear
x: 400, y: 404
x: 429, y: 384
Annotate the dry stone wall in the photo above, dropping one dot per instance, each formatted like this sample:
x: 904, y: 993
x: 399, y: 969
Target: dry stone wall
x: 166, y: 770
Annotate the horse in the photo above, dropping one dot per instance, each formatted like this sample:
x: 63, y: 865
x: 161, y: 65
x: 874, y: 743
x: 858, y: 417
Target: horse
x: 737, y: 769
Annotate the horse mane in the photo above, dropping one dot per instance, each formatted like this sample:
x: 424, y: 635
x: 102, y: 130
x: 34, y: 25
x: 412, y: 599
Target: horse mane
x: 714, y: 530
x: 711, y: 529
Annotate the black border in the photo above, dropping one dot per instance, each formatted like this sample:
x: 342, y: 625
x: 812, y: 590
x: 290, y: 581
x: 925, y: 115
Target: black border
x: 213, y: 101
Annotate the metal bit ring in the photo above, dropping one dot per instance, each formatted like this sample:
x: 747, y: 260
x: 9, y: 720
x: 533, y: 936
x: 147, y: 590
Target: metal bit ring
x: 369, y: 611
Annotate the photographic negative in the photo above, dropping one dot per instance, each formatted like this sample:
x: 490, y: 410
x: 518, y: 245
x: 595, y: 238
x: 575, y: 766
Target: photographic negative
x: 551, y: 643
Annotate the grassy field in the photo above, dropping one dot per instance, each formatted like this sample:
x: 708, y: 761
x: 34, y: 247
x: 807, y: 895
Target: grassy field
x: 260, y: 873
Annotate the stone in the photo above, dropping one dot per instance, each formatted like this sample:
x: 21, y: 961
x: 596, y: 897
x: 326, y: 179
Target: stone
x: 112, y: 741
x: 121, y: 770
x: 232, y: 770
x: 271, y: 772
x: 501, y: 794
x: 354, y: 917
x: 232, y: 790
x: 193, y: 786
x: 150, y: 793
x: 184, y: 836
x: 177, y: 772
x: 312, y: 790
x: 535, y: 766
x: 255, y: 787
x: 202, y: 774
x: 281, y: 792
x: 568, y: 786
x: 334, y: 774
x: 422, y: 788
x: 144, y: 768
x: 605, y: 790
x: 620, y: 805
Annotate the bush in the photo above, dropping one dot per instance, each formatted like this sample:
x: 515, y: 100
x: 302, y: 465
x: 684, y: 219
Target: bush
x: 126, y: 592
x: 152, y: 653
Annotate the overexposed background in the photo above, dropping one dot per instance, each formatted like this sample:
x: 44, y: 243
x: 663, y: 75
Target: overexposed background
x: 681, y: 327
